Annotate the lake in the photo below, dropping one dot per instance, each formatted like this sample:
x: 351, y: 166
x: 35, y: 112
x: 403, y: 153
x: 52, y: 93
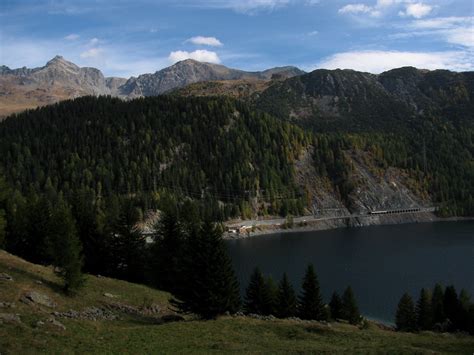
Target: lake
x: 380, y: 262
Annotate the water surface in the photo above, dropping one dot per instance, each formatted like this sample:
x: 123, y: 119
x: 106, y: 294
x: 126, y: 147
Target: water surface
x: 380, y: 263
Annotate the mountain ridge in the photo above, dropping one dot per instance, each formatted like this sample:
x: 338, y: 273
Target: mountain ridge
x: 59, y: 79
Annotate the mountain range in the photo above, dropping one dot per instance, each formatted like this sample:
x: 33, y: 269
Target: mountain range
x: 60, y: 79
x: 356, y: 141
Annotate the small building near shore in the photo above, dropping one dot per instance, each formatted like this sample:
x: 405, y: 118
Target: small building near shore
x: 244, y: 229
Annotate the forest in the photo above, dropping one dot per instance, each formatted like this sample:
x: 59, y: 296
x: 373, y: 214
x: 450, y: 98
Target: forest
x: 108, y: 162
x: 79, y: 176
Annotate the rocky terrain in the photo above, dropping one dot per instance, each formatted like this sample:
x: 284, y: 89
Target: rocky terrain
x: 59, y: 79
x: 190, y: 71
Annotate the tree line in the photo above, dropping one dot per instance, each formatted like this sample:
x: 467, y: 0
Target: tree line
x: 441, y: 309
x: 236, y: 162
x: 264, y: 297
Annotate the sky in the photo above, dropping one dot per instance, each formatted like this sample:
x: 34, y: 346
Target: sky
x: 128, y: 38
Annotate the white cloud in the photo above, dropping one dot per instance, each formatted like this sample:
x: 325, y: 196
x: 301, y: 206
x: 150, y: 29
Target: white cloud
x: 242, y: 6
x: 72, y: 37
x: 249, y: 7
x: 355, y: 9
x: 381, y: 7
x: 91, y: 53
x: 416, y: 10
x: 200, y: 55
x: 313, y: 33
x: 461, y: 36
x: 443, y: 22
x: 453, y: 30
x: 93, y: 41
x: 360, y: 9
x: 205, y: 41
x: 380, y: 61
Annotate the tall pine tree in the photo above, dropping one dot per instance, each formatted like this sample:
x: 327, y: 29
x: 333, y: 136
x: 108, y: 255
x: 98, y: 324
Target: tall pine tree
x: 424, y: 311
x: 211, y: 287
x: 65, y: 247
x: 258, y: 296
x: 168, y: 251
x: 406, y: 317
x: 310, y: 302
x: 437, y: 301
x: 335, y: 305
x: 350, y: 310
x: 286, y: 300
x: 451, y: 306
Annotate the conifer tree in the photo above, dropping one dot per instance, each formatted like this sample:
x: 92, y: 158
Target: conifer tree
x: 128, y: 245
x: 211, y: 287
x: 437, y: 301
x: 256, y: 294
x: 350, y: 311
x: 451, y: 306
x: 464, y: 304
x: 286, y: 300
x: 271, y: 292
x: 168, y: 252
x: 424, y: 311
x: 65, y: 247
x: 406, y: 316
x: 335, y: 305
x: 310, y: 305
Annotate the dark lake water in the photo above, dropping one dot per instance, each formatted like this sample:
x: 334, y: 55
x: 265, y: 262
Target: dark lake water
x: 380, y: 263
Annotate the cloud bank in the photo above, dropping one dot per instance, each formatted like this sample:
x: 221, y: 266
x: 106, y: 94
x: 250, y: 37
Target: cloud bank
x: 380, y: 61
x: 200, y: 55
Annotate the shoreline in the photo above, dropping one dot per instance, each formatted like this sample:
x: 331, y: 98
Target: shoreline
x: 315, y: 226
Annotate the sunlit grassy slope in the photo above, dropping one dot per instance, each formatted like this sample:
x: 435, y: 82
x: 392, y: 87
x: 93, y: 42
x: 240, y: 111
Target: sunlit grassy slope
x: 139, y: 334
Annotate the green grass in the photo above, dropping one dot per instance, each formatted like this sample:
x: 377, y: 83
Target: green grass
x: 137, y: 335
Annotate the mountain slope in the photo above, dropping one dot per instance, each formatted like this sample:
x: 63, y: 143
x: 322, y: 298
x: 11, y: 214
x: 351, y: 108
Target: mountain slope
x: 58, y: 80
x: 91, y: 325
x: 349, y: 100
x: 190, y: 71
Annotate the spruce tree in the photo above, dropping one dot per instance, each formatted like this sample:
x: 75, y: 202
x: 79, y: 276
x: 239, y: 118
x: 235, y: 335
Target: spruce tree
x: 65, y: 247
x: 350, y: 311
x: 464, y: 304
x: 128, y: 245
x: 310, y: 305
x: 211, y: 287
x: 424, y: 311
x: 271, y: 296
x: 286, y: 300
x: 437, y: 301
x: 335, y: 306
x: 167, y: 253
x: 256, y: 294
x: 406, y: 316
x: 451, y: 306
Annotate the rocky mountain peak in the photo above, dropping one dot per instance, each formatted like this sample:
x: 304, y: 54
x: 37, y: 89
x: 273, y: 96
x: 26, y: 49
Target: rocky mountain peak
x: 58, y: 62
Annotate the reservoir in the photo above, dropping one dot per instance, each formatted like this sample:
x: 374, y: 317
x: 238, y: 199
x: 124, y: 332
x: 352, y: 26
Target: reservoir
x: 380, y: 262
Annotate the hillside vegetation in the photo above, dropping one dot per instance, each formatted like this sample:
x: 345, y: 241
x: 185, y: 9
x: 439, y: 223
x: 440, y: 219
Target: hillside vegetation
x: 143, y: 325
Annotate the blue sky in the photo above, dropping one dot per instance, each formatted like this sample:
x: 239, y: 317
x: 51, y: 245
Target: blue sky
x: 124, y: 38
